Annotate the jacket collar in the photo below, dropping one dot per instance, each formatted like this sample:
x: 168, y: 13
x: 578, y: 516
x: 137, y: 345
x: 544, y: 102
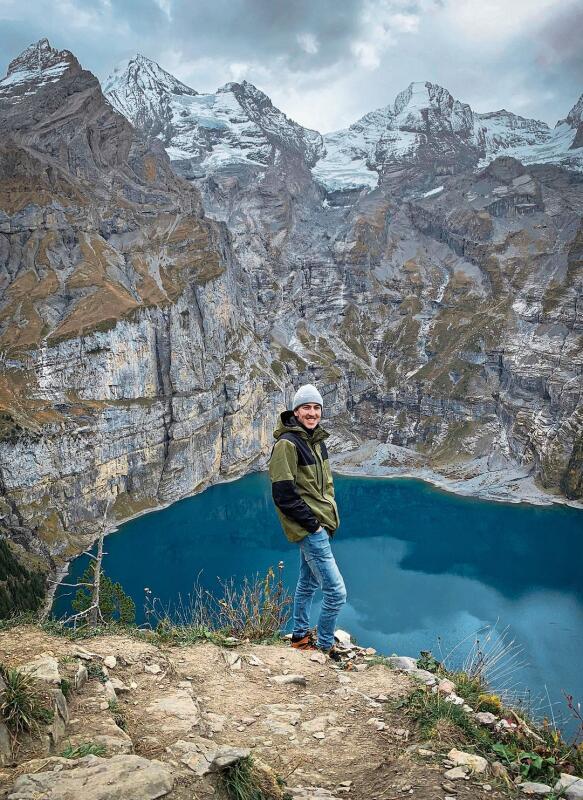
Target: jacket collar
x: 289, y: 424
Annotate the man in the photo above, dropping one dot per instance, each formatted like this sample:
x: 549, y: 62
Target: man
x: 303, y: 493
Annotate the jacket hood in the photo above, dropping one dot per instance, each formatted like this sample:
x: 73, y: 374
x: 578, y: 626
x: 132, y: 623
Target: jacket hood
x: 289, y: 424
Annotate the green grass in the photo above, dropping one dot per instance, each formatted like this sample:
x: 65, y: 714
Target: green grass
x: 438, y: 719
x: 85, y: 749
x: 117, y: 714
x: 248, y: 780
x: 96, y: 672
x: 22, y: 706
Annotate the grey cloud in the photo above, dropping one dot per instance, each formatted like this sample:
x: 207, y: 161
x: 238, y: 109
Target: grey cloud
x: 538, y: 70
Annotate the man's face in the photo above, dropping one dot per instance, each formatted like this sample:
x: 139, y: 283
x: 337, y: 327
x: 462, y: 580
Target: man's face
x: 309, y: 415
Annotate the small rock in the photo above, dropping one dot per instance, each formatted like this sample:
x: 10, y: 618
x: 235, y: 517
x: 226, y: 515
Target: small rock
x: 486, y: 718
x: 449, y: 787
x: 370, y: 651
x: 232, y: 659
x: 427, y: 753
x: 254, y: 661
x: 532, y: 788
x: 359, y: 667
x: 428, y: 678
x: 468, y: 709
x: 457, y: 773
x: 404, y: 663
x: 81, y: 676
x: 345, y: 784
x: 570, y: 785
x: 498, y: 770
x: 104, y: 706
x: 486, y: 787
x: 153, y: 669
x: 343, y: 678
x: 110, y: 662
x: 319, y: 735
x: 319, y: 658
x: 343, y: 637
x: 454, y: 698
x: 475, y: 763
x: 445, y: 686
x: 110, y: 692
x: 118, y: 685
x: 299, y: 680
x: 84, y: 654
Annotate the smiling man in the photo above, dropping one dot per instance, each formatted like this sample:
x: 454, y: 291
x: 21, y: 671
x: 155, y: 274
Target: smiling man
x: 303, y: 493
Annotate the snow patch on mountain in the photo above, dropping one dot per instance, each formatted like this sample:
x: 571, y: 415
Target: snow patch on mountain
x: 37, y: 66
x: 238, y: 124
x: 426, y: 114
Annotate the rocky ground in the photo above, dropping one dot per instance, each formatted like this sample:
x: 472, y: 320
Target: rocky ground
x: 489, y: 478
x: 172, y: 718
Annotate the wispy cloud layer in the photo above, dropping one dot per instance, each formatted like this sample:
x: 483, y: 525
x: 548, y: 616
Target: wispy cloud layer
x: 326, y: 63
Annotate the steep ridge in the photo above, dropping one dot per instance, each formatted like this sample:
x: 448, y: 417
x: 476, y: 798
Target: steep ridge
x: 118, y: 316
x: 147, y: 344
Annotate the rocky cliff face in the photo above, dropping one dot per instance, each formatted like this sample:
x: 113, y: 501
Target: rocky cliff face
x: 151, y: 325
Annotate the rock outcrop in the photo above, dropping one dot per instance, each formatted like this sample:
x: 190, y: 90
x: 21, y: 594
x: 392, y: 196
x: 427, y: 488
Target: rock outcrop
x: 156, y: 315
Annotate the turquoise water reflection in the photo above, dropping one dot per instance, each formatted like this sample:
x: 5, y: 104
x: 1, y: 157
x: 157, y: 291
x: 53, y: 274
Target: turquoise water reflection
x: 418, y: 563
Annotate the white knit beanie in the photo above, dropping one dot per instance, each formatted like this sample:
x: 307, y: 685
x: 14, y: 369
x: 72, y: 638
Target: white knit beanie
x: 307, y: 394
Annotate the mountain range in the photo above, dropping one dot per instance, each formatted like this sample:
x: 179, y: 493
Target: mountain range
x: 174, y: 264
x: 239, y: 124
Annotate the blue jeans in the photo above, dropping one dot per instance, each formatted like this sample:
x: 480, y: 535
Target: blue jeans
x: 318, y: 569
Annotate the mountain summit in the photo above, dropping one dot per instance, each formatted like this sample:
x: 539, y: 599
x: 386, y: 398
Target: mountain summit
x: 237, y: 124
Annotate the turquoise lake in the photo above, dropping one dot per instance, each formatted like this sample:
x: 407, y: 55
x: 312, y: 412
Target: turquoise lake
x: 423, y: 568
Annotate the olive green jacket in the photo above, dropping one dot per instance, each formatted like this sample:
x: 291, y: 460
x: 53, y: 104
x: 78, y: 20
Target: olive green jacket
x: 301, y: 480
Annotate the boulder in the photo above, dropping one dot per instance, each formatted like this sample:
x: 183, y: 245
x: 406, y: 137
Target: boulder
x: 175, y: 711
x: 121, y: 777
x: 203, y: 756
x: 44, y: 668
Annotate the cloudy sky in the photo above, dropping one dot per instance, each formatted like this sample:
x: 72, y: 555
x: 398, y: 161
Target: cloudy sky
x: 327, y: 62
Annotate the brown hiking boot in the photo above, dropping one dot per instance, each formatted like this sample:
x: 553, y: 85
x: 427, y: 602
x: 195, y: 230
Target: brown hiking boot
x: 306, y: 642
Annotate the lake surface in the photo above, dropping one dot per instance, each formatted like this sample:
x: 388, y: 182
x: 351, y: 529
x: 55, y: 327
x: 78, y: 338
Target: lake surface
x: 424, y: 569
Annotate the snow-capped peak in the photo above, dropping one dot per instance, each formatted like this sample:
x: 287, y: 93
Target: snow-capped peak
x: 575, y: 115
x: 236, y: 124
x: 38, y: 65
x: 143, y: 74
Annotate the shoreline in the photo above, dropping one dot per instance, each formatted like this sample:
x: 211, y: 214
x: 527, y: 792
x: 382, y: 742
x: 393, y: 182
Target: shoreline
x: 488, y: 485
x: 451, y: 486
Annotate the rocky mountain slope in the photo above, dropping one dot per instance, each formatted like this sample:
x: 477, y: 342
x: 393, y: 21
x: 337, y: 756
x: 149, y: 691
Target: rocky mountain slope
x: 155, y: 315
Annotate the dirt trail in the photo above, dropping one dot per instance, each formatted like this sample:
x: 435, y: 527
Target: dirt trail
x: 340, y: 727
